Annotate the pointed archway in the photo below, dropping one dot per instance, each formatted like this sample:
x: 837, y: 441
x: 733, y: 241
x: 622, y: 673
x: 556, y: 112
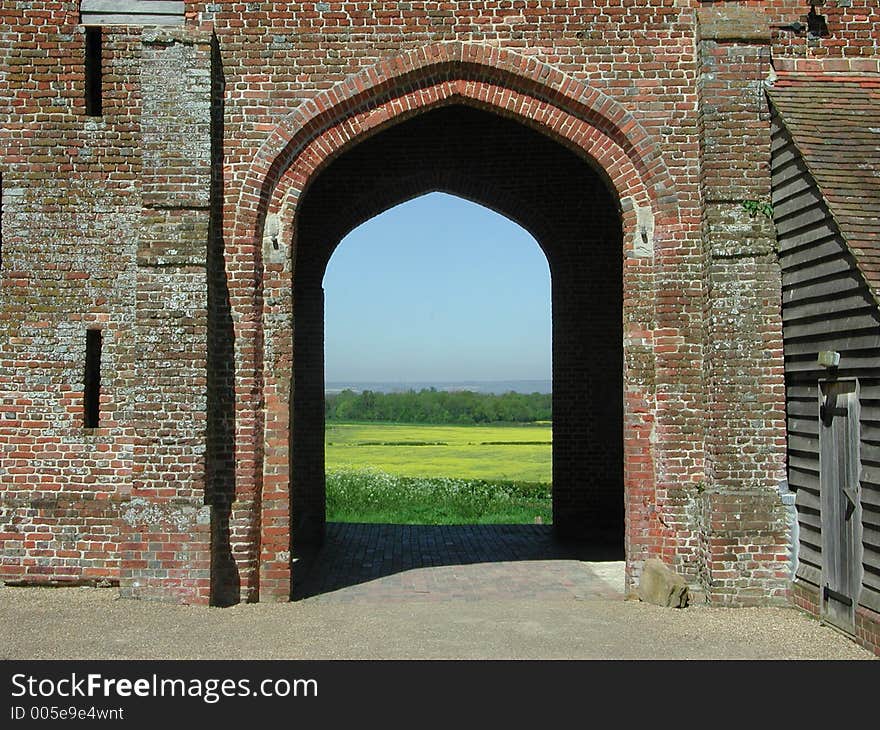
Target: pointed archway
x: 609, y: 146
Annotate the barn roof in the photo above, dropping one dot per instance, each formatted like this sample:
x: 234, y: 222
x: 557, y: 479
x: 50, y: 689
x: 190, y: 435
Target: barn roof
x: 834, y: 122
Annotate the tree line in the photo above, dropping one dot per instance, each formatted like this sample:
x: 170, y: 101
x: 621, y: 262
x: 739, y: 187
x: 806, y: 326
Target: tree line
x: 438, y: 406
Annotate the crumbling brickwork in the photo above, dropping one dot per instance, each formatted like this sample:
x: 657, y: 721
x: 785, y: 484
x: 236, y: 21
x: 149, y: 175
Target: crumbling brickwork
x: 105, y: 226
x: 172, y: 222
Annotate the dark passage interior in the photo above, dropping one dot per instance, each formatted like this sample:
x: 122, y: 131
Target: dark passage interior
x: 566, y: 205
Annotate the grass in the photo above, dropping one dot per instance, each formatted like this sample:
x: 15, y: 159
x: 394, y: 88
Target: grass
x: 422, y: 474
x: 366, y: 495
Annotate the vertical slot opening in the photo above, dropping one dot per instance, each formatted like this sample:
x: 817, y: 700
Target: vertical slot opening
x: 93, y: 72
x: 92, y: 392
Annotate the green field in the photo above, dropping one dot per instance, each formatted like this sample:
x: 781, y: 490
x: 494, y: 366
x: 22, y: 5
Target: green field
x: 408, y: 473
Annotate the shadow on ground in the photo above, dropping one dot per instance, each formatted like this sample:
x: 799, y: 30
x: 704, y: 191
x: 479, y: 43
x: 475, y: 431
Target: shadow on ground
x: 358, y: 553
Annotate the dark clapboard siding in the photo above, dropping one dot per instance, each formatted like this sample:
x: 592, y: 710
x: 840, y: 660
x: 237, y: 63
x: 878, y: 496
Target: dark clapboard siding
x: 132, y: 12
x: 826, y: 305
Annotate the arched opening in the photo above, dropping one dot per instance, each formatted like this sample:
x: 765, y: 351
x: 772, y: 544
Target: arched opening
x: 438, y: 369
x: 608, y: 143
x: 567, y: 205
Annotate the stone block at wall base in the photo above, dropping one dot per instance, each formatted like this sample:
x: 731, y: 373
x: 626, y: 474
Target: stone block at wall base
x: 662, y: 586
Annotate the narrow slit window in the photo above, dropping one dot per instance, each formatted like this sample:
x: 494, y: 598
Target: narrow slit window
x: 92, y: 392
x: 93, y: 72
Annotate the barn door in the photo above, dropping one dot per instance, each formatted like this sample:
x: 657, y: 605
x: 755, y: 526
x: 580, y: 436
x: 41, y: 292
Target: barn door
x: 841, y: 512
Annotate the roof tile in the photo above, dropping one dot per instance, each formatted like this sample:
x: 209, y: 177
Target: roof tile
x: 834, y: 122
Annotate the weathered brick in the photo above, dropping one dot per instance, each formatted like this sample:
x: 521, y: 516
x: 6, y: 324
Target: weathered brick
x: 628, y: 156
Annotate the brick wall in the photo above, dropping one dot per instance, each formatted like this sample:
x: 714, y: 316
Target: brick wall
x: 745, y: 406
x: 867, y: 630
x: 166, y: 540
x: 104, y: 226
x: 71, y: 210
x: 150, y: 222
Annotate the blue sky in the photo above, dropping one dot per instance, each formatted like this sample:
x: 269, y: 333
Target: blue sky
x: 437, y: 289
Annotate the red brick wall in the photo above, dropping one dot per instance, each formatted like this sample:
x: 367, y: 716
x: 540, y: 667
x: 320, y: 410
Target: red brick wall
x: 806, y: 597
x: 745, y: 534
x: 149, y: 222
x: 69, y: 196
x: 104, y: 222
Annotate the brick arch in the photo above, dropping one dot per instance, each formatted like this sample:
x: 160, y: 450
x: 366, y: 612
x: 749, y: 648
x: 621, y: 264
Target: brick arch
x: 579, y: 115
x: 608, y: 159
x: 534, y: 94
x: 506, y: 166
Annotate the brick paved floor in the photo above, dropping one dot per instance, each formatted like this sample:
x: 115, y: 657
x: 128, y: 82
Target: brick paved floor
x: 441, y: 562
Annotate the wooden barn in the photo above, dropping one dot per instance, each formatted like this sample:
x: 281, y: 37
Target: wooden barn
x: 826, y: 207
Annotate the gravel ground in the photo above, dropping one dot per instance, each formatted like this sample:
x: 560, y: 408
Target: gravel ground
x: 90, y: 623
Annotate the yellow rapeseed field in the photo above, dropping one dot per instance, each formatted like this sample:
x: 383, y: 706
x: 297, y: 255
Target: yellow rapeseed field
x: 504, y: 452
